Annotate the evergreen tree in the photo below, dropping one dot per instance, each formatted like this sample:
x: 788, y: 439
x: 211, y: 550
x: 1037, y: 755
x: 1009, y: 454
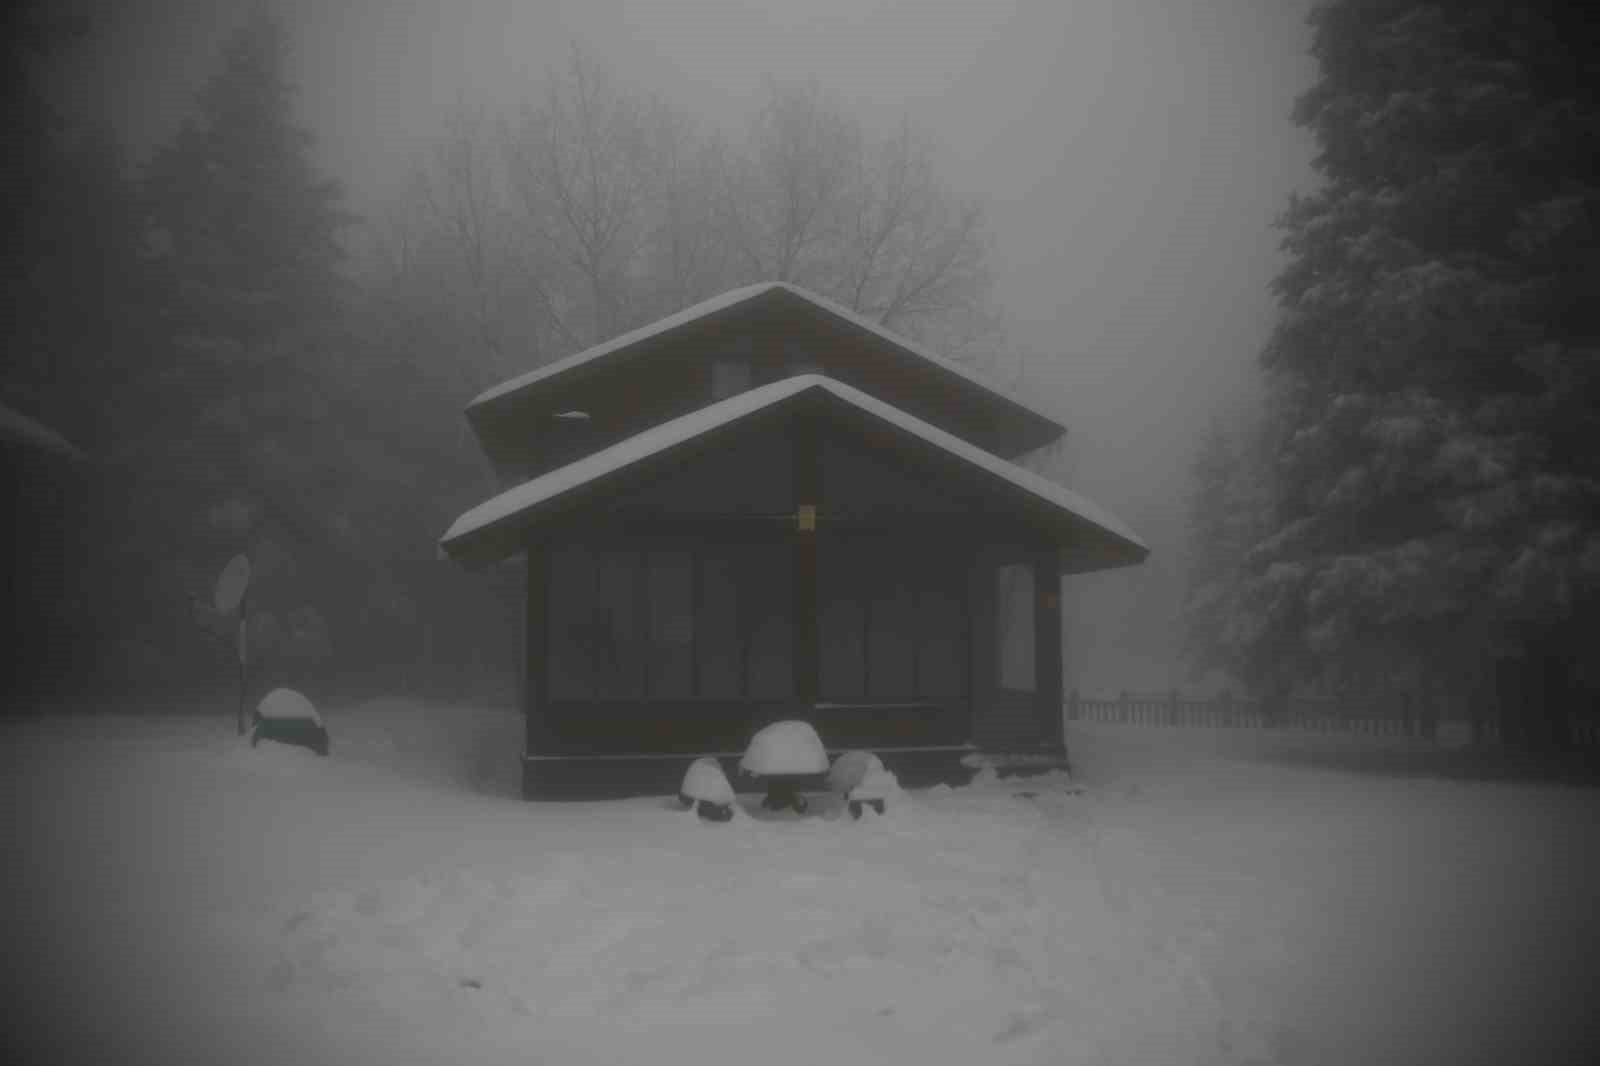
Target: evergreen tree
x: 250, y: 434
x: 250, y: 227
x: 1438, y: 356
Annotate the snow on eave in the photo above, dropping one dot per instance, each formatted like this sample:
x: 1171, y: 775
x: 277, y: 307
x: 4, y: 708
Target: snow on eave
x: 733, y: 298
x: 680, y: 430
x: 689, y: 314
x: 18, y: 428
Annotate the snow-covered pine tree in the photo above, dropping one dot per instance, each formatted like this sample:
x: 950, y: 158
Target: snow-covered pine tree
x: 250, y: 436
x: 1437, y: 357
x: 1215, y: 553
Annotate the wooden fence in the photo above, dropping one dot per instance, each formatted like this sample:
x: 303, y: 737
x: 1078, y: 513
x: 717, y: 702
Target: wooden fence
x: 1172, y: 709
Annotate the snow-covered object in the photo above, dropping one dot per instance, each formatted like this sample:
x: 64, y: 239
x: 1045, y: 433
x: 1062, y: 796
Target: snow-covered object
x: 283, y: 704
x: 791, y: 747
x: 851, y: 769
x: 878, y: 784
x: 706, y: 783
x: 288, y: 717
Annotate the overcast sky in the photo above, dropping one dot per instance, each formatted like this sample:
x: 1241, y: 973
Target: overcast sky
x: 1132, y: 154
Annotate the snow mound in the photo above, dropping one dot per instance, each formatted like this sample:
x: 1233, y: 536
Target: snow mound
x: 285, y: 704
x: 851, y: 768
x: 791, y: 747
x: 706, y: 783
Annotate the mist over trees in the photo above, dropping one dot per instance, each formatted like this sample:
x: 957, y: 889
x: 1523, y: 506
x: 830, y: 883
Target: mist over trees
x: 595, y: 208
x: 194, y: 324
x: 1435, y: 377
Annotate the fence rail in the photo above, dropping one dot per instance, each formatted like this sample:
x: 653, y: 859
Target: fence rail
x: 1309, y: 715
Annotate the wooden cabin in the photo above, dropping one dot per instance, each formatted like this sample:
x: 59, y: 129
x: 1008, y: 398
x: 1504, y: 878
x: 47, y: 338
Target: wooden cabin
x: 767, y: 507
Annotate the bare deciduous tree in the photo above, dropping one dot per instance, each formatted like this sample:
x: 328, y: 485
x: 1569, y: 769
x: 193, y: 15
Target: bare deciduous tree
x: 602, y: 208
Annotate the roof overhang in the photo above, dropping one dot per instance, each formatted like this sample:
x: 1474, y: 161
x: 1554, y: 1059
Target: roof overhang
x: 500, y: 413
x: 1091, y: 538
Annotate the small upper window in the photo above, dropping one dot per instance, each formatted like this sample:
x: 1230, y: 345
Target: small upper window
x: 729, y: 377
x: 798, y: 360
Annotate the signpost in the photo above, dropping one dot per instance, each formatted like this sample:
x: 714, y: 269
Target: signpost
x: 230, y: 596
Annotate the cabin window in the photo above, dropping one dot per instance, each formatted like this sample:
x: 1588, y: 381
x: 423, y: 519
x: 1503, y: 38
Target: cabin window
x: 767, y: 600
x: 1014, y: 650
x: 670, y: 623
x: 729, y: 377
x: 891, y: 624
x: 799, y: 360
x: 670, y: 601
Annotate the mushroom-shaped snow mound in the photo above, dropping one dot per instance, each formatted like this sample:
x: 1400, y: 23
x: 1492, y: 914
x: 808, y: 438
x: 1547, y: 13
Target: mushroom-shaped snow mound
x: 706, y: 783
x: 288, y: 717
x: 784, y: 748
x: 285, y: 704
x: 851, y: 768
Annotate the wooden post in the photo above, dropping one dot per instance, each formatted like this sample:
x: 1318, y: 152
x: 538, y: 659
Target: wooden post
x: 807, y: 501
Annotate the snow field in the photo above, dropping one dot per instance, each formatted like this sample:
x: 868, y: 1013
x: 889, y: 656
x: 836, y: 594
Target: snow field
x: 191, y: 900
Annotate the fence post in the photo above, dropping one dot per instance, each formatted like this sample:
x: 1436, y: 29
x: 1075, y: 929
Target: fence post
x: 1123, y: 707
x: 1172, y: 707
x: 1224, y: 702
x: 1073, y: 708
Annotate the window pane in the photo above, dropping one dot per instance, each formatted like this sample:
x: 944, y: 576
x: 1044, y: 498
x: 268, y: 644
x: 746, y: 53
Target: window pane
x: 766, y: 598
x: 671, y: 623
x: 1014, y: 626
x: 616, y: 649
x: 569, y: 617
x: 841, y: 640
x: 891, y: 634
x: 941, y: 650
x: 717, y: 629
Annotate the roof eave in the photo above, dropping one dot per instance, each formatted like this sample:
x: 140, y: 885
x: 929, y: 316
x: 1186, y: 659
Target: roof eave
x: 1033, y: 428
x: 1111, y: 544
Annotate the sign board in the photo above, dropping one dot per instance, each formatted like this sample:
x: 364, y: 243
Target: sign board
x: 231, y: 585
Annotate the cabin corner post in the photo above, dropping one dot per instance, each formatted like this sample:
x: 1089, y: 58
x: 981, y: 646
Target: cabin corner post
x: 807, y: 503
x: 984, y: 669
x: 1049, y: 680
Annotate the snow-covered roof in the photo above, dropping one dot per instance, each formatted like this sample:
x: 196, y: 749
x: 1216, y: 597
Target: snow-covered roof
x: 508, y: 505
x: 732, y: 299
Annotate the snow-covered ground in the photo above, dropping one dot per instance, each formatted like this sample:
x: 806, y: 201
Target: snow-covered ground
x: 180, y: 898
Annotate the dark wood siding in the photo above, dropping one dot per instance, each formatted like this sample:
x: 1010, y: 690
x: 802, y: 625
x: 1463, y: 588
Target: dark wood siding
x: 751, y: 475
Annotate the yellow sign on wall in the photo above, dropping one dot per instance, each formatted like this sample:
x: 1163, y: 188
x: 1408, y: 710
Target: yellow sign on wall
x: 808, y: 517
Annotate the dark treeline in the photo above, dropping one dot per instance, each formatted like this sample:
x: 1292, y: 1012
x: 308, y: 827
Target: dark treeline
x: 248, y: 367
x: 1413, y: 516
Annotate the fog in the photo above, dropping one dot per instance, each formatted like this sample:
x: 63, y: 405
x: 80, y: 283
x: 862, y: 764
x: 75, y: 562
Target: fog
x: 1131, y: 156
